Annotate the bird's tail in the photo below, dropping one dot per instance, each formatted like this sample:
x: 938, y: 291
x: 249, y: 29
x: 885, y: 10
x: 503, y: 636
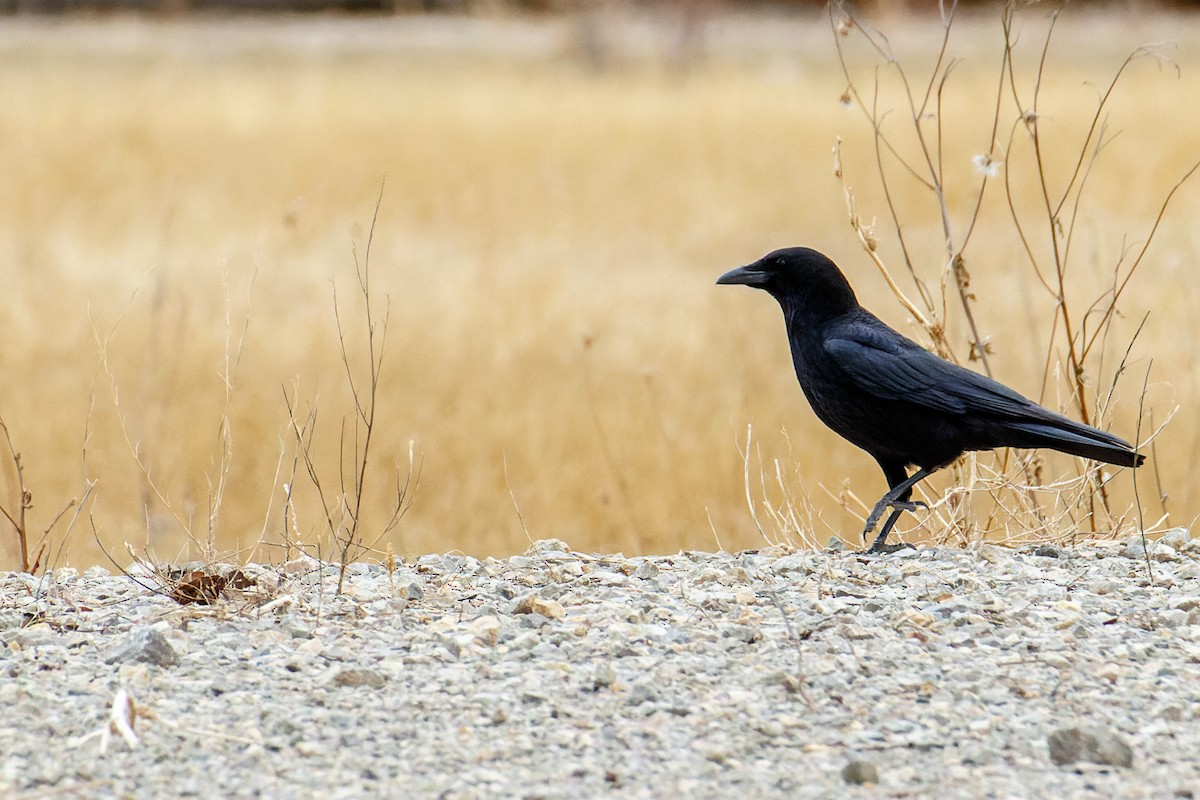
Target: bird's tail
x: 1080, y: 440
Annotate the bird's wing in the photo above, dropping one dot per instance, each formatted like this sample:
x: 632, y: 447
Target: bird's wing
x: 892, y: 367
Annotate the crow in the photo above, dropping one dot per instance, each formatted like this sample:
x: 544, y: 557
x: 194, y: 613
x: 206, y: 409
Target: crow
x: 893, y: 398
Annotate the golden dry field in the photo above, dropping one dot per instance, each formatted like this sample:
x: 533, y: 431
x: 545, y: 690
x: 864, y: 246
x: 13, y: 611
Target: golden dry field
x: 179, y: 200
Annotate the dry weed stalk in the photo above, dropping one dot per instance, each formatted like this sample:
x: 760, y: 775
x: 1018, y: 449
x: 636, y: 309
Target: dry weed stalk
x: 792, y: 517
x: 1023, y: 504
x: 153, y: 490
x: 343, y: 513
x: 21, y: 503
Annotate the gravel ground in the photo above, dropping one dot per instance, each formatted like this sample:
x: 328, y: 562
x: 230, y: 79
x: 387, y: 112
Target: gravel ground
x: 1045, y: 672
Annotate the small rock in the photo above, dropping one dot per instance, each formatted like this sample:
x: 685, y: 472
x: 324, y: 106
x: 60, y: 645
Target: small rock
x: 859, y: 772
x: 544, y: 546
x: 706, y: 574
x: 366, y: 592
x: 535, y: 604
x: 856, y: 632
x: 1172, y: 713
x: 355, y: 677
x: 146, y: 644
x: 1176, y: 537
x: 1173, y: 618
x: 993, y: 554
x: 1096, y: 745
x: 35, y: 635
x: 1186, y: 603
x: 453, y: 647
x: 63, y: 575
x: 533, y: 695
x: 486, y: 629
x: 792, y: 563
x: 1191, y: 570
x: 1136, y: 548
x: 645, y: 571
x: 311, y: 647
x: 567, y: 571
x: 772, y: 728
x: 1104, y: 586
x: 747, y: 634
x: 304, y: 565
x: 308, y: 748
x: 604, y: 676
x: 526, y: 641
x: 917, y: 619
x: 11, y: 620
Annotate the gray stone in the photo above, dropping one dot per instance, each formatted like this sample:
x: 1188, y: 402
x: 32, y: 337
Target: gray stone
x: 145, y: 644
x: 547, y: 547
x: 1176, y: 537
x: 646, y: 570
x: 35, y: 635
x: 355, y: 677
x: 1096, y: 745
x: 604, y: 676
x: 858, y: 772
x: 1157, y: 550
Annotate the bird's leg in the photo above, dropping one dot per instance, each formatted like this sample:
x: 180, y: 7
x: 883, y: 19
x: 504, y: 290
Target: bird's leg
x: 895, y: 498
x: 899, y: 508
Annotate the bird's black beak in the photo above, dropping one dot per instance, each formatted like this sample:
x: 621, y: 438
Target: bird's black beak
x: 752, y: 275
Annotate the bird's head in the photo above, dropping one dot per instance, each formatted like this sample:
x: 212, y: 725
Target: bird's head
x: 801, y: 279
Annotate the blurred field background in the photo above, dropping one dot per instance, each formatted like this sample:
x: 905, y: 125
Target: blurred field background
x: 561, y: 193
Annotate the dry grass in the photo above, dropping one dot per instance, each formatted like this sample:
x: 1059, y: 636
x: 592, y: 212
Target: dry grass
x: 548, y: 241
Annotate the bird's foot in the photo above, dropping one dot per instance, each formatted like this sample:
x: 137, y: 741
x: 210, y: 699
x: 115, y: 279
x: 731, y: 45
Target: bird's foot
x: 882, y: 549
x: 897, y: 506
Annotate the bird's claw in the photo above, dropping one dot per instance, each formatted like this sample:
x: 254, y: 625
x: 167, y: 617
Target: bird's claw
x: 897, y: 506
x: 881, y: 549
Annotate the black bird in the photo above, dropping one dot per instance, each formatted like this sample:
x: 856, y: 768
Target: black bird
x: 893, y: 398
